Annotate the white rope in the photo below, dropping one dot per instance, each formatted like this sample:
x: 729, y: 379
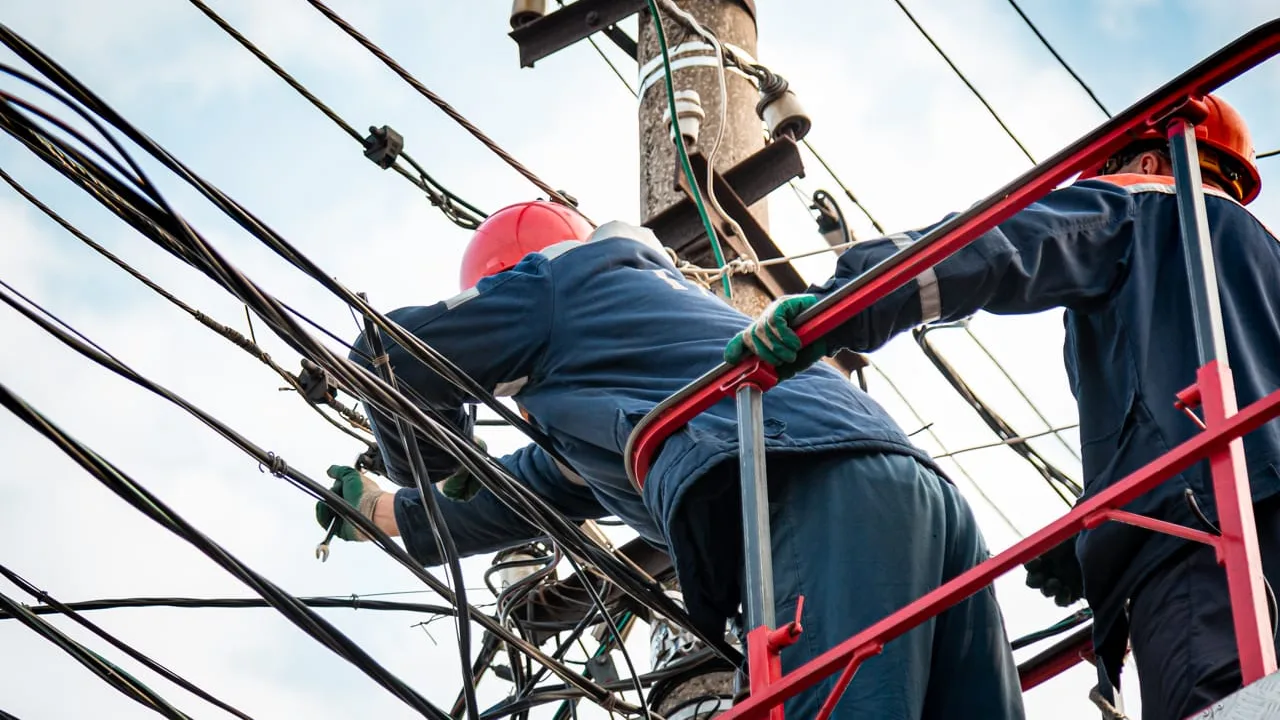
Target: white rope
x: 740, y: 266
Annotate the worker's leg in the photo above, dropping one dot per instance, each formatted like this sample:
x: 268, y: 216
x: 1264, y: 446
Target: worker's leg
x: 860, y: 537
x: 1181, y: 628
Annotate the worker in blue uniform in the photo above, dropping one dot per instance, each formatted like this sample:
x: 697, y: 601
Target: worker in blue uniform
x: 1108, y: 250
x: 587, y: 331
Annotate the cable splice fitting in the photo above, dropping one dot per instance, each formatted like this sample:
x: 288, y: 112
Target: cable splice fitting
x: 383, y: 146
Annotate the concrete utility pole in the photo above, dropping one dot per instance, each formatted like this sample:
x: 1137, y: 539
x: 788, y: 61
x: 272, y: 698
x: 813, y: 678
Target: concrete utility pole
x: 694, y: 68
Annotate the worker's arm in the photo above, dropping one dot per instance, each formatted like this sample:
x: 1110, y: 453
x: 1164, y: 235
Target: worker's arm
x: 495, y: 334
x: 479, y: 525
x: 483, y: 523
x: 1070, y: 249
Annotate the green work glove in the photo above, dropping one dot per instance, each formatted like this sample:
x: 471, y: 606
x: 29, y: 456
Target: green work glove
x: 770, y: 338
x: 462, y: 485
x: 1056, y: 574
x: 358, y: 490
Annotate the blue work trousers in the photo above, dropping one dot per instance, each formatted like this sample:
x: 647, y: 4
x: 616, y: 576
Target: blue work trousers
x: 1181, y: 628
x: 860, y: 536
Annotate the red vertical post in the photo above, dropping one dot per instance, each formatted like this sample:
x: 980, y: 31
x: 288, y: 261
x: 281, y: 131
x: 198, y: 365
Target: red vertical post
x: 1239, y: 547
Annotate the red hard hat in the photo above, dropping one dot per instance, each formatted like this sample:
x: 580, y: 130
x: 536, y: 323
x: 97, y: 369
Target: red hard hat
x: 515, y: 231
x: 1225, y: 131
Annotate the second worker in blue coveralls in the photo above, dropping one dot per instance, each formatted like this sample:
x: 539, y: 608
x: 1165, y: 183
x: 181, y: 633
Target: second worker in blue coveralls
x: 587, y: 332
x: 1108, y: 249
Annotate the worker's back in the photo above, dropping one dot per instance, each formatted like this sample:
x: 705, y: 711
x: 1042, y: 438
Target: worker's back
x: 1127, y: 359
x: 629, y: 331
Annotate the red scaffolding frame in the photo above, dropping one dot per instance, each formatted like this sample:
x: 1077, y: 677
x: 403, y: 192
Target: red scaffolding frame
x: 1174, y: 108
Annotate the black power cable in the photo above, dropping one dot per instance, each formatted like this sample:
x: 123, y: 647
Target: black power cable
x: 439, y: 102
x: 161, y: 224
x: 459, y: 211
x: 1045, y: 41
x: 153, y: 507
x: 113, y: 675
x: 1268, y: 154
x: 281, y: 469
x: 1064, y: 485
x: 965, y: 80
x: 61, y: 608
x: 353, y: 602
x: 439, y: 529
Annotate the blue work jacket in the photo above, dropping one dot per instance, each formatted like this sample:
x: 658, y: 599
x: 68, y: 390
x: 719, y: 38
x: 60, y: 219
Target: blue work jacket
x: 1109, y: 251
x: 587, y: 338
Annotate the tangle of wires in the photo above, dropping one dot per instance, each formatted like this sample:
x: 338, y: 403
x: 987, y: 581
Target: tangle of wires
x: 148, y: 212
x: 1062, y: 484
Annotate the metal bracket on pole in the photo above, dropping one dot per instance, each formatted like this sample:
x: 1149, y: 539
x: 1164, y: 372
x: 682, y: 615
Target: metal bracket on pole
x: 1216, y: 392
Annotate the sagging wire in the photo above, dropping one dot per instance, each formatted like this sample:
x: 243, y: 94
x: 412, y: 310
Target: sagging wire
x: 1017, y: 388
x: 317, y: 491
x: 250, y: 346
x: 153, y: 507
x: 156, y: 223
x: 681, y: 152
x: 1010, y: 441
x: 723, y: 112
x: 937, y: 439
x: 1066, y: 487
x: 53, y: 605
x: 439, y: 528
x: 352, y: 602
x: 1079, y: 80
x: 439, y: 102
x: 845, y: 188
x: 965, y: 80
x: 109, y: 672
x: 458, y: 211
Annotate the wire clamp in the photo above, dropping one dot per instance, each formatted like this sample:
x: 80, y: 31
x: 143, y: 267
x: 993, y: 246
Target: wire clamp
x: 383, y: 146
x: 315, y: 383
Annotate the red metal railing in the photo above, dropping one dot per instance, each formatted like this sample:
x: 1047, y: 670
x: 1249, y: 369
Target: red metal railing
x: 1173, y: 109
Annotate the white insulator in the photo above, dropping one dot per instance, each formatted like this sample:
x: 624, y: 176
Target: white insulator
x: 689, y: 114
x: 510, y: 576
x: 785, y: 116
x: 524, y: 12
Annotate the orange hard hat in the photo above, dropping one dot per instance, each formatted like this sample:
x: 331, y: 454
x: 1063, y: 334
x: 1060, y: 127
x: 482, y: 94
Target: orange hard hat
x: 515, y: 231
x: 1224, y: 131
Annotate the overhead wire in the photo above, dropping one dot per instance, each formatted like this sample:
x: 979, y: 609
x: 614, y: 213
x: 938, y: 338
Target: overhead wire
x: 439, y: 102
x: 352, y: 602
x: 193, y: 249
x: 600, y: 51
x: 248, y: 345
x: 1269, y: 154
x: 456, y: 209
x: 1061, y: 61
x: 965, y: 80
x: 63, y: 609
x: 109, y: 672
x: 316, y: 490
x: 848, y: 193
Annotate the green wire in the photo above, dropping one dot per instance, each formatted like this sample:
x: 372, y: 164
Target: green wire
x: 682, y: 152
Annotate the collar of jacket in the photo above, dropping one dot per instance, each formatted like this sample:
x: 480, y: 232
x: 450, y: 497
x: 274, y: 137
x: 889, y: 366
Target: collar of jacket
x: 1136, y: 183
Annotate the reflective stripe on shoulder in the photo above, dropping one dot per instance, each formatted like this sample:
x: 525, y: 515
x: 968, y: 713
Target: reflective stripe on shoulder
x: 461, y: 297
x: 560, y: 248
x: 927, y: 281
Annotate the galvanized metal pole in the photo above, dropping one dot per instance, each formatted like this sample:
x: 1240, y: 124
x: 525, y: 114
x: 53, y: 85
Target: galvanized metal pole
x: 756, y: 545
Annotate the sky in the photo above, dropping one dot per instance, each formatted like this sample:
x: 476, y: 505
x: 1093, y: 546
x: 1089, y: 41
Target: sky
x: 903, y: 132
